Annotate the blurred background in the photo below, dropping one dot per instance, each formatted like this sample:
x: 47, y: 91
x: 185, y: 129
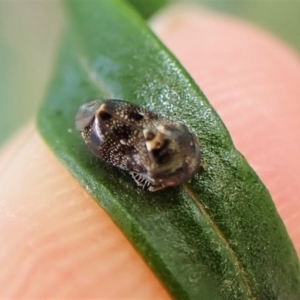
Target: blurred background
x: 30, y: 32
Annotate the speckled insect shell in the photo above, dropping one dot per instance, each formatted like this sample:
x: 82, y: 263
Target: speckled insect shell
x: 156, y: 151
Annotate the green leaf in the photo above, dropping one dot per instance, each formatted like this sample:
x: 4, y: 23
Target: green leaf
x: 147, y: 9
x: 218, y: 237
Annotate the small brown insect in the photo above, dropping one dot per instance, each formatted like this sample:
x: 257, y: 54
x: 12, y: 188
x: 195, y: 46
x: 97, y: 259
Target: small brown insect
x: 156, y: 151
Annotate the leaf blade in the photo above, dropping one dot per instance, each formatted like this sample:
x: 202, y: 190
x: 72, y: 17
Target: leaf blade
x: 194, y: 238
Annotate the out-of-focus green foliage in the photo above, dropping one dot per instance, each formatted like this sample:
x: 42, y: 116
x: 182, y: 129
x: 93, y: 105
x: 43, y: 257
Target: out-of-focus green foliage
x: 147, y: 9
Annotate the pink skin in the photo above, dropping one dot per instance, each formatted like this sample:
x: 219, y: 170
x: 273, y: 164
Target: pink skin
x: 53, y: 232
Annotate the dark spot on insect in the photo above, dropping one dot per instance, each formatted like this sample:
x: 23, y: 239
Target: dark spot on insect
x: 122, y: 131
x: 135, y: 116
x: 127, y: 150
x: 162, y: 154
x: 105, y: 116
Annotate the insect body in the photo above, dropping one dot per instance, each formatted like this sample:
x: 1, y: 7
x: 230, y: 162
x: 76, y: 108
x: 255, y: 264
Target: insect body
x: 156, y: 151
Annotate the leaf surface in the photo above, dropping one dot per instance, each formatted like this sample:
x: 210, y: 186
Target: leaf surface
x: 218, y: 237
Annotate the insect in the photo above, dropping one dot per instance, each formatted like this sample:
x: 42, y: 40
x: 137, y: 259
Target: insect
x: 156, y: 151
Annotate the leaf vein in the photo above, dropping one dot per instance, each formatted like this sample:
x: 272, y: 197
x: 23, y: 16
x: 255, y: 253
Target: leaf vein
x: 222, y: 238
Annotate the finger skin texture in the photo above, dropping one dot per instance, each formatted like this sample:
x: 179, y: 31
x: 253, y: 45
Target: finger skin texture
x: 53, y: 232
x: 57, y: 242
